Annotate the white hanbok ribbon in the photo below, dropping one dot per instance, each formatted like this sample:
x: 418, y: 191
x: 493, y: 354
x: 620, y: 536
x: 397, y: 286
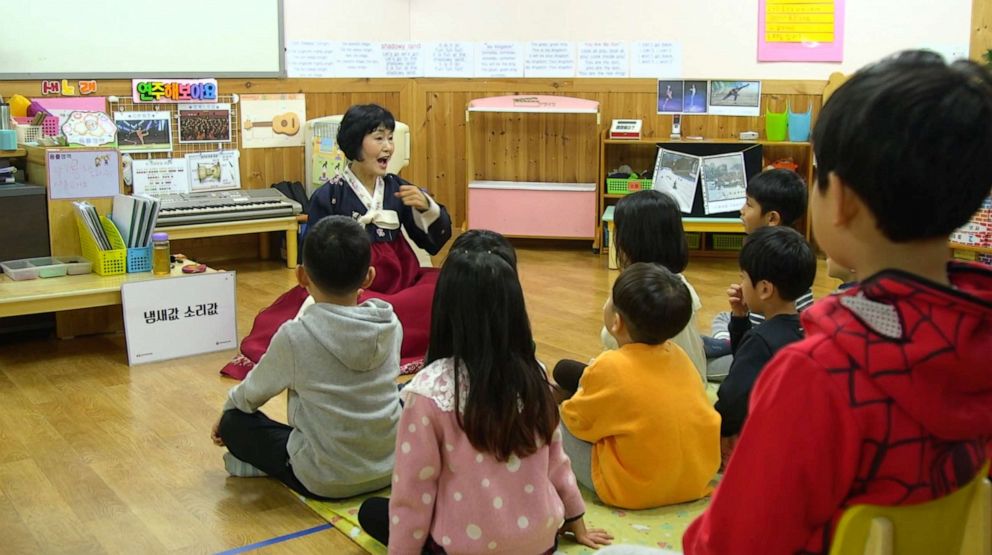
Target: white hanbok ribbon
x: 374, y: 213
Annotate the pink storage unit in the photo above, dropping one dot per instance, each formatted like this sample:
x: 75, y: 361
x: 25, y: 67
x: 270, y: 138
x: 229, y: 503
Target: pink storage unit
x: 522, y: 209
x: 550, y: 207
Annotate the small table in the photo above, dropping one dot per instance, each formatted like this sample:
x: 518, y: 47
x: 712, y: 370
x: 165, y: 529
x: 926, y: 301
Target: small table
x: 289, y: 224
x: 690, y: 225
x: 68, y: 292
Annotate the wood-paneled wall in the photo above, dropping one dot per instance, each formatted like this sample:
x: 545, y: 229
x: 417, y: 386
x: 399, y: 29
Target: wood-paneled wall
x: 981, y: 28
x: 507, y: 146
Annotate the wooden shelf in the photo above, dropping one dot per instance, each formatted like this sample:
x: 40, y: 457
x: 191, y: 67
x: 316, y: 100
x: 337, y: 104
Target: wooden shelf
x: 972, y: 248
x: 655, y: 140
x: 16, y: 153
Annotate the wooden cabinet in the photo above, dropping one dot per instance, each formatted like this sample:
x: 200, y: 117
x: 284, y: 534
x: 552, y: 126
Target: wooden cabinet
x: 706, y: 233
x: 531, y: 166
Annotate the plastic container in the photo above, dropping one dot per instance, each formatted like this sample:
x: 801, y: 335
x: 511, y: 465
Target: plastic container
x: 105, y: 263
x: 33, y: 268
x: 728, y: 241
x: 75, y: 265
x: 48, y: 266
x: 28, y: 133
x: 161, y: 262
x: 139, y: 259
x: 693, y: 240
x: 625, y: 186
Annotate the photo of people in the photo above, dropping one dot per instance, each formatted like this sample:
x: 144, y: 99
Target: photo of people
x: 670, y: 97
x: 205, y: 123
x: 724, y: 182
x: 676, y: 173
x: 695, y: 97
x: 144, y: 131
x: 735, y: 98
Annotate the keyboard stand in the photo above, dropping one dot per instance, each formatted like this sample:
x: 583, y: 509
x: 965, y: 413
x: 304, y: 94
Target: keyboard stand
x: 288, y: 224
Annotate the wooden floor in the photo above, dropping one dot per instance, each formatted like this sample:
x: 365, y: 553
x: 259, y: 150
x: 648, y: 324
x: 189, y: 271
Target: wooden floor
x: 97, y: 457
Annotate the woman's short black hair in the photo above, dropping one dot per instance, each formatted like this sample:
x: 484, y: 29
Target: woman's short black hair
x: 359, y: 121
x: 912, y: 137
x: 648, y: 228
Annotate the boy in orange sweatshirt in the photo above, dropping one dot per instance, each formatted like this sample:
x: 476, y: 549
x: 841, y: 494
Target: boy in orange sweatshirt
x: 639, y: 430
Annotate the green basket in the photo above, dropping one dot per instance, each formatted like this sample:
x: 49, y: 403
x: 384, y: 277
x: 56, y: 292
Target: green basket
x: 694, y: 240
x: 626, y: 185
x: 728, y: 241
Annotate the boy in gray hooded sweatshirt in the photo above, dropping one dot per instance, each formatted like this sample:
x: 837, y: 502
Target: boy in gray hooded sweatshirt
x: 339, y: 362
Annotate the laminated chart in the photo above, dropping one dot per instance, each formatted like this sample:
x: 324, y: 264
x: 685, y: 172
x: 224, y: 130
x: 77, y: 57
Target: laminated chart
x: 800, y: 30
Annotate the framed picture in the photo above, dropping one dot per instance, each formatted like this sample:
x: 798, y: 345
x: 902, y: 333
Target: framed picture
x: 735, y: 98
x: 724, y: 182
x: 205, y: 123
x: 694, y: 98
x: 676, y: 174
x: 144, y: 131
x: 670, y: 96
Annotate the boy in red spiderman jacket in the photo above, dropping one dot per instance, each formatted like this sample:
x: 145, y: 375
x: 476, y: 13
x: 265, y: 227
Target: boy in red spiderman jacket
x: 888, y: 400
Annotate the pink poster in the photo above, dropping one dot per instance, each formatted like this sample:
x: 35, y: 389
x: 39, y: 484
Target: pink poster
x: 800, y: 30
x: 65, y: 105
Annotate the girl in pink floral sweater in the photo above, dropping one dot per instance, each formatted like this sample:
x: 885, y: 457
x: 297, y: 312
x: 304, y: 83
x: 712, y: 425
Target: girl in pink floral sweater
x: 479, y: 460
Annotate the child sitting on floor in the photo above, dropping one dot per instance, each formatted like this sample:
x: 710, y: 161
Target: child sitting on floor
x: 775, y: 197
x: 640, y: 431
x: 648, y: 229
x: 479, y: 461
x: 777, y: 266
x: 888, y: 399
x: 339, y: 362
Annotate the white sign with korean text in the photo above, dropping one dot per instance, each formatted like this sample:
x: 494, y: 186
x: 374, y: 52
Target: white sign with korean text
x: 175, y: 317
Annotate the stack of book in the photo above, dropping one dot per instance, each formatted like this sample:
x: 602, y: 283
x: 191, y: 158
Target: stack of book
x: 135, y: 217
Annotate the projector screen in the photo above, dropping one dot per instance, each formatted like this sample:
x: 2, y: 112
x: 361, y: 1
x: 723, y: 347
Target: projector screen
x: 93, y: 39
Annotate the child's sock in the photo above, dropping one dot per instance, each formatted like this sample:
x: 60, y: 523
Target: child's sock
x: 239, y: 468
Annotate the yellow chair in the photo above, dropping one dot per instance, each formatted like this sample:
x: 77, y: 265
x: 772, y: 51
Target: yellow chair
x: 960, y: 523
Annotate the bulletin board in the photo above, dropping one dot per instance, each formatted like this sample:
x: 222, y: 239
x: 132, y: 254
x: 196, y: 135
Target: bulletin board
x: 80, y: 173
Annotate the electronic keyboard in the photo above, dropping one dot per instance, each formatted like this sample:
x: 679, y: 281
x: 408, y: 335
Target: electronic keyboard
x: 224, y: 206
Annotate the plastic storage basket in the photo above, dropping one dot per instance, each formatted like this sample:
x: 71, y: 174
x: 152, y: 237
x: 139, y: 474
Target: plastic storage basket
x: 728, y: 241
x: 105, y: 263
x: 139, y: 259
x: 28, y: 133
x: 694, y: 240
x: 625, y: 186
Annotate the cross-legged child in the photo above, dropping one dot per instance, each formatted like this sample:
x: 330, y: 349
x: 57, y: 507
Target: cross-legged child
x: 775, y: 197
x: 339, y: 363
x: 777, y: 266
x: 479, y: 461
x: 640, y: 431
x: 888, y: 399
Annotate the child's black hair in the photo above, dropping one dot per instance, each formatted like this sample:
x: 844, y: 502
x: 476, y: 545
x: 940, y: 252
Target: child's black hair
x: 648, y: 227
x: 781, y: 256
x: 654, y: 302
x: 485, y: 240
x: 359, y: 121
x: 780, y: 190
x: 912, y: 136
x: 479, y: 319
x: 336, y: 255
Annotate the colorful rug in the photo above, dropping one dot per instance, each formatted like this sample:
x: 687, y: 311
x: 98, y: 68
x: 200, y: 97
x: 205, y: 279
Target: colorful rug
x: 661, y: 527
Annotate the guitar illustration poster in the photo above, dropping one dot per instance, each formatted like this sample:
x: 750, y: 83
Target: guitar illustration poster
x: 272, y: 120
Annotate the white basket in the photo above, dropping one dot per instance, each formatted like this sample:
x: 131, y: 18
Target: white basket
x: 28, y: 133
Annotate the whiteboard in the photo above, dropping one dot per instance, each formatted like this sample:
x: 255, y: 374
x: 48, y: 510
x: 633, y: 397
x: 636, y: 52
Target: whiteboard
x: 719, y: 38
x: 83, y: 172
x: 93, y: 39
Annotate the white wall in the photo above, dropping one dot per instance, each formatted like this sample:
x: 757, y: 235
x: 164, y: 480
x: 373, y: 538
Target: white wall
x: 719, y: 37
